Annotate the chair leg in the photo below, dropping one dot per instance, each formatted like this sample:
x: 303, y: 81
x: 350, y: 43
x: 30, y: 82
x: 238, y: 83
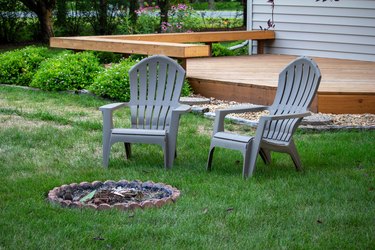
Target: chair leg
x: 210, y: 156
x: 106, y: 152
x: 266, y: 155
x: 292, y: 150
x: 128, y: 150
x: 250, y: 158
x: 170, y: 150
x: 246, y: 164
x: 168, y: 156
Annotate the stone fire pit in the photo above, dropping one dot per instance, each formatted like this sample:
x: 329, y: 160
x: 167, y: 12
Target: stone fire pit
x: 122, y: 195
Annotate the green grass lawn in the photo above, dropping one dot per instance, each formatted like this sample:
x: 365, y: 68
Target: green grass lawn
x: 50, y: 139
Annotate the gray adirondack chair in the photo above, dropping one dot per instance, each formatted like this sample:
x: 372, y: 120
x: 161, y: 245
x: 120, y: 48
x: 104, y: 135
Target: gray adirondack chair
x: 297, y: 86
x: 155, y: 88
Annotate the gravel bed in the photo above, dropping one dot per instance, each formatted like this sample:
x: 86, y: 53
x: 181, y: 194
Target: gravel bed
x: 331, y: 120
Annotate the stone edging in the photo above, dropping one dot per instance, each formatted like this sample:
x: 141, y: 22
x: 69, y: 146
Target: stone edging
x: 237, y: 120
x: 56, y: 195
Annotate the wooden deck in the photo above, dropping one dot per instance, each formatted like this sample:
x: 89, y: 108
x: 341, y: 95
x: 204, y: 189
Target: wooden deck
x: 178, y: 45
x: 347, y: 86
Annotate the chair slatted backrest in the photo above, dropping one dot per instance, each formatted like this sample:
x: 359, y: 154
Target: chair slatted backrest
x: 298, y: 84
x: 155, y: 88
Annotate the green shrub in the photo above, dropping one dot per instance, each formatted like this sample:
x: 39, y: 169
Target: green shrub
x: 13, y: 21
x: 19, y: 66
x: 218, y: 6
x: 228, y: 6
x: 220, y: 50
x: 107, y: 57
x: 68, y: 71
x: 147, y: 24
x: 113, y: 82
x: 186, y: 89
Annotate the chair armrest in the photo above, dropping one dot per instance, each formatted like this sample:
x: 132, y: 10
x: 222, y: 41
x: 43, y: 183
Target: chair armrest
x: 267, y: 118
x: 241, y: 109
x: 175, y: 114
x: 221, y: 113
x: 113, y: 106
x: 107, y: 111
x: 284, y: 117
x: 175, y: 118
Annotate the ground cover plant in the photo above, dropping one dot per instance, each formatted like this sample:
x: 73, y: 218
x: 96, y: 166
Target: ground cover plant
x: 68, y: 71
x: 48, y: 139
x: 113, y: 82
x: 20, y: 65
x: 104, y: 73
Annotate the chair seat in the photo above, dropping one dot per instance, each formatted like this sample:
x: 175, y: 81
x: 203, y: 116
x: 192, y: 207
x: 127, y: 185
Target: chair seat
x: 275, y: 142
x: 130, y: 131
x: 233, y: 137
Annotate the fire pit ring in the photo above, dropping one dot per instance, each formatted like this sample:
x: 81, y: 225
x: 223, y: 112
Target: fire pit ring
x: 122, y: 195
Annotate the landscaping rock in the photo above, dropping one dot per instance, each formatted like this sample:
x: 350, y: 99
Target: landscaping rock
x: 317, y: 120
x: 194, y: 100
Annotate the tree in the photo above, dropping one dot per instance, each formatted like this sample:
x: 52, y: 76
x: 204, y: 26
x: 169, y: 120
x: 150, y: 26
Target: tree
x: 133, y: 6
x: 164, y: 7
x: 43, y: 9
x: 12, y: 20
x: 62, y: 12
x: 104, y: 15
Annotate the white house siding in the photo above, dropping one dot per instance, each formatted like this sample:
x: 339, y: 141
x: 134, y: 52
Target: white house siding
x: 343, y: 29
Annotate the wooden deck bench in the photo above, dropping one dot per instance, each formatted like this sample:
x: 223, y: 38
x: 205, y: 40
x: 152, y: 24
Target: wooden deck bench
x: 177, y: 45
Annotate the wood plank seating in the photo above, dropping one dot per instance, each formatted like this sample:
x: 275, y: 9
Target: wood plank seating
x: 177, y: 45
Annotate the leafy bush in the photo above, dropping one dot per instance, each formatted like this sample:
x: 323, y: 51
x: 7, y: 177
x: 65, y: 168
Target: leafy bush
x: 107, y: 57
x: 186, y: 89
x: 114, y: 81
x: 67, y: 71
x: 218, y: 6
x: 70, y: 19
x: 19, y: 66
x: 148, y: 20
x: 182, y: 18
x: 220, y: 50
x: 13, y: 21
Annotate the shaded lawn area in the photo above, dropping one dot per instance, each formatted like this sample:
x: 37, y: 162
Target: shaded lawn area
x: 50, y: 139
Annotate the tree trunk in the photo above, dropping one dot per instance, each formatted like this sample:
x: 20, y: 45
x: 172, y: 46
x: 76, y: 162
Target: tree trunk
x: 103, y: 7
x: 43, y: 9
x: 45, y: 20
x: 62, y: 13
x: 164, y: 7
x: 133, y: 6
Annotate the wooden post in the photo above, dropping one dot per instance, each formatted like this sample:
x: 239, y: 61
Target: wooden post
x: 183, y: 63
x: 210, y: 45
x: 260, y: 48
x: 314, y: 104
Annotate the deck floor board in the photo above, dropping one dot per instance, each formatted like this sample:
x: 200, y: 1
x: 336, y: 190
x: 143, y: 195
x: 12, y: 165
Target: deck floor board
x: 344, y: 78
